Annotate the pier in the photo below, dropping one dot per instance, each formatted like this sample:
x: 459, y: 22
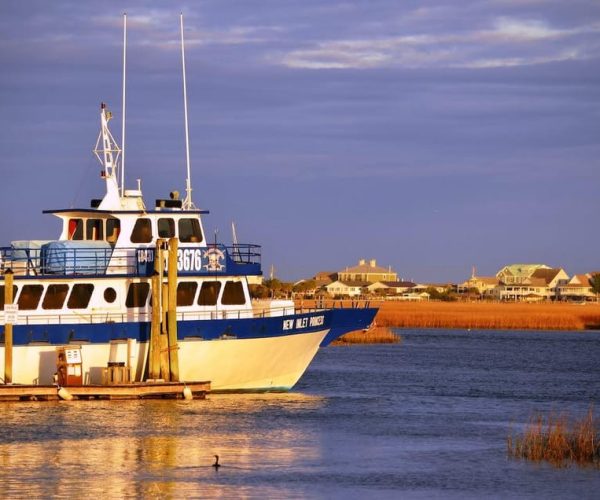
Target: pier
x: 153, y: 390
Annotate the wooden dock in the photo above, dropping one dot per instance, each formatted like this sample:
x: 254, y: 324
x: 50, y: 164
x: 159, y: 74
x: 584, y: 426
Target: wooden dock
x: 138, y: 390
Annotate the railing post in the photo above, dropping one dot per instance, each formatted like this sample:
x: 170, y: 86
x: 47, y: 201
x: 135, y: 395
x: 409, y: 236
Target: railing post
x: 8, y: 327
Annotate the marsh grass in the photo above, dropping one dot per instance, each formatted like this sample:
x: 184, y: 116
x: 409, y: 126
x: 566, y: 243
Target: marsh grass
x: 558, y: 441
x: 376, y: 335
x: 496, y: 316
x: 481, y: 315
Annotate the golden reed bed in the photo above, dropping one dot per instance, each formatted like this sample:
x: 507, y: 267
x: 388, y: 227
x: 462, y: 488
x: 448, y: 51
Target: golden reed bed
x: 558, y: 440
x: 484, y: 315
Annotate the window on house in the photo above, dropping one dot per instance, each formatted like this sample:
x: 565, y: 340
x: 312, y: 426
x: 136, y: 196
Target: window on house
x: 189, y: 231
x: 142, y: 231
x: 209, y: 293
x: 80, y: 296
x: 75, y: 229
x: 55, y: 296
x: 233, y: 294
x: 30, y: 297
x: 137, y: 295
x: 186, y: 291
x: 166, y: 228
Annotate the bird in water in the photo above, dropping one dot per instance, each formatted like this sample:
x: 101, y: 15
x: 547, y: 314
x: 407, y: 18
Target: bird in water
x: 216, y: 465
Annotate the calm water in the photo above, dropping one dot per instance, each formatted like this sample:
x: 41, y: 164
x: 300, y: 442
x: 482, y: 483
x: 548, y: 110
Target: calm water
x: 426, y: 418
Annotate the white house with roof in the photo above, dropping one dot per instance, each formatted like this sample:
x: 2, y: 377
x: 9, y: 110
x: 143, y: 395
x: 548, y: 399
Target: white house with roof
x: 346, y: 288
x: 369, y: 272
x: 529, y: 282
x: 579, y: 288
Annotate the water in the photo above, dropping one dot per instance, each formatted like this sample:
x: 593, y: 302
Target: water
x: 424, y: 419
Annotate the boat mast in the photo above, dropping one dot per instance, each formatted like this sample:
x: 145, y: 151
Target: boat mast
x: 107, y: 151
x: 187, y: 203
x: 123, y: 110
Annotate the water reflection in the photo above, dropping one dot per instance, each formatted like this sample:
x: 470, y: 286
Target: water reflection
x: 154, y: 448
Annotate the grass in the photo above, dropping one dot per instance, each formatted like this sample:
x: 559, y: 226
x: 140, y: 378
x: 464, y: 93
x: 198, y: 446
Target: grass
x: 558, y: 441
x: 376, y: 335
x: 485, y: 315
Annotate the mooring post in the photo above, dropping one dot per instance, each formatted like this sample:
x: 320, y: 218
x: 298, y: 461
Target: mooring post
x: 8, y: 327
x: 172, y: 315
x: 154, y: 355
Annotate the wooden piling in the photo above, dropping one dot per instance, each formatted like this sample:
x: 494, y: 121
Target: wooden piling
x: 172, y: 315
x: 8, y: 327
x: 154, y: 354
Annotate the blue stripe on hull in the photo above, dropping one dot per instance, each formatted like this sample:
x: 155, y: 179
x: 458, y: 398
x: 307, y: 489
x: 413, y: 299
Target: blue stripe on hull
x: 347, y: 320
x: 244, y: 328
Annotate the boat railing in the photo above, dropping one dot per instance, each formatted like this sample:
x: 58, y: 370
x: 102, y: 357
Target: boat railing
x: 239, y: 259
x: 31, y: 318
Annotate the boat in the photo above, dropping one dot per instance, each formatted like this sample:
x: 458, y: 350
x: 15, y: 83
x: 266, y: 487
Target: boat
x: 107, y: 287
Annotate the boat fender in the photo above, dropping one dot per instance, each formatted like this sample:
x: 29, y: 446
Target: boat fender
x: 187, y: 394
x: 64, y: 394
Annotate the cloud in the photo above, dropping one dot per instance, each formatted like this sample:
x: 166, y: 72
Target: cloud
x: 509, y: 42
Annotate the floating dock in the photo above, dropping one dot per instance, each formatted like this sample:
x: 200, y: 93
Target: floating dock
x: 140, y: 390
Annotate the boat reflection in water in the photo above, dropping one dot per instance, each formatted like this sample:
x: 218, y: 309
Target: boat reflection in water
x: 148, y: 448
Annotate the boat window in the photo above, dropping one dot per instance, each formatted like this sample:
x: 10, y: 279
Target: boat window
x: 94, y: 229
x: 113, y: 229
x: 75, y: 229
x: 30, y: 296
x: 55, y: 296
x: 189, y: 231
x: 80, y: 296
x: 186, y: 291
x: 110, y: 295
x: 137, y: 295
x: 166, y: 228
x: 142, y: 231
x: 233, y: 294
x: 209, y: 292
x: 2, y: 294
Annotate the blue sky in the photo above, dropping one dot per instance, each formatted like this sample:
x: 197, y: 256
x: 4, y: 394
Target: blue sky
x: 432, y: 136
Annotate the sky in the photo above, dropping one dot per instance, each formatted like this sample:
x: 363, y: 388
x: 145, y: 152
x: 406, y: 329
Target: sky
x: 433, y: 136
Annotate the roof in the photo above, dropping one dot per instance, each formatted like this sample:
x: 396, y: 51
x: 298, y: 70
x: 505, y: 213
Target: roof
x: 546, y: 274
x: 365, y: 268
x: 350, y: 283
x: 488, y: 280
x: 523, y: 270
x: 398, y: 284
x: 580, y: 280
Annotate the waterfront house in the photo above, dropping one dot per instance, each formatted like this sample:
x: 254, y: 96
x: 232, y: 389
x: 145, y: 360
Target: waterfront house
x: 531, y: 285
x: 390, y: 287
x: 579, y: 289
x: 346, y: 288
x: 369, y: 272
x: 485, y: 285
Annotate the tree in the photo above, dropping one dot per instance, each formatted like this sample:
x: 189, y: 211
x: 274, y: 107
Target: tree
x: 595, y: 282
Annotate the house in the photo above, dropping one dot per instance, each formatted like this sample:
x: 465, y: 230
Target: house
x: 325, y: 277
x: 579, y: 288
x: 518, y: 273
x: 541, y: 283
x: 390, y: 287
x: 347, y: 288
x: 369, y: 272
x: 485, y: 285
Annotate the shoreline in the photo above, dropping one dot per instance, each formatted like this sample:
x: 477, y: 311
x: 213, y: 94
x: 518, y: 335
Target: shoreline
x: 482, y: 315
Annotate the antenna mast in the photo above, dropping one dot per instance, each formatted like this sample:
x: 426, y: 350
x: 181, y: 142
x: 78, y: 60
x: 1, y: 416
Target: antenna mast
x: 187, y: 203
x: 123, y: 111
